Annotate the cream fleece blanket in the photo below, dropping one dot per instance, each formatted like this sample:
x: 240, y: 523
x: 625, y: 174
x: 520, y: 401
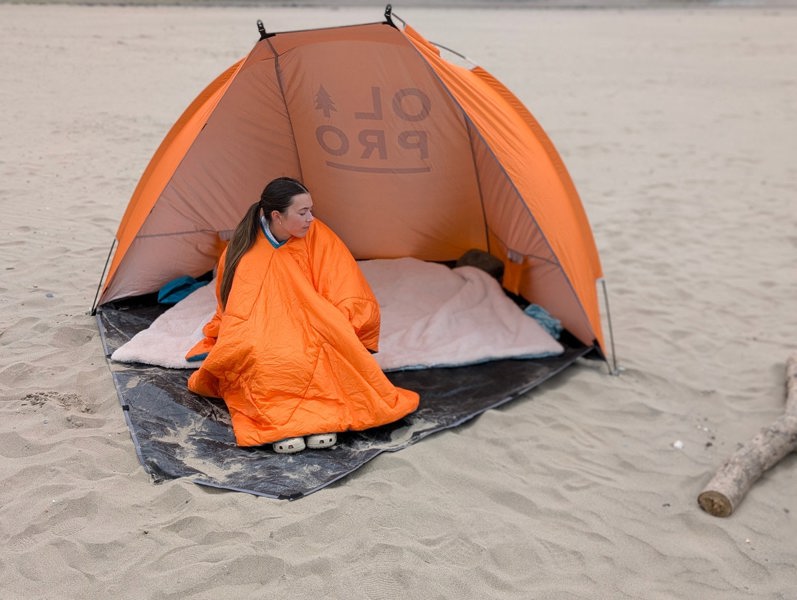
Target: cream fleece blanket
x: 431, y: 316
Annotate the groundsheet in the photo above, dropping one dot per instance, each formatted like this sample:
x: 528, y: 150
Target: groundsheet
x: 179, y: 434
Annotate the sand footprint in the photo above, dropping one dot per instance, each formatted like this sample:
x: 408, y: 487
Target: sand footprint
x: 77, y: 407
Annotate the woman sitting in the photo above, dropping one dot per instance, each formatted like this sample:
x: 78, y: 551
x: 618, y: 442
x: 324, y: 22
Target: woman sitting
x: 289, y: 348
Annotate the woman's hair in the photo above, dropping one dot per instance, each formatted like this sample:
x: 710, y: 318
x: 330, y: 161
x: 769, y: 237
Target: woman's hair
x: 277, y: 195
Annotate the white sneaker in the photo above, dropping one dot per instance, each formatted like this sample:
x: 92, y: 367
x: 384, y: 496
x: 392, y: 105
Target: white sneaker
x: 289, y: 445
x: 321, y: 440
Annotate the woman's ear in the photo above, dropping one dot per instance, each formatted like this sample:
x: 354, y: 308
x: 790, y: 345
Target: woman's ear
x: 276, y: 216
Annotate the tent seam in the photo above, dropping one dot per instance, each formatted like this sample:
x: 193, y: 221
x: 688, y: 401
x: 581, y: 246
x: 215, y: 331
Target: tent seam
x: 278, y: 73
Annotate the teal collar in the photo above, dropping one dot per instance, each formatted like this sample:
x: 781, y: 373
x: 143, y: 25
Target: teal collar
x: 267, y: 232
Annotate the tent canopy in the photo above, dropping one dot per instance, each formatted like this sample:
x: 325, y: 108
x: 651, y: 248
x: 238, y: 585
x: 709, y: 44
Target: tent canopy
x: 404, y: 152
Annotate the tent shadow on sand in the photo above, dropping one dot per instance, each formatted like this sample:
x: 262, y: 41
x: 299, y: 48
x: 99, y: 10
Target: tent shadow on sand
x: 348, y: 110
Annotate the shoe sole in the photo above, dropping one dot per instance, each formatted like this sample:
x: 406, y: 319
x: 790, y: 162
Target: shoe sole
x: 289, y: 446
x: 323, y: 440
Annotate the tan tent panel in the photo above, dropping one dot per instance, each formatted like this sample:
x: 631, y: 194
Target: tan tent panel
x: 404, y: 152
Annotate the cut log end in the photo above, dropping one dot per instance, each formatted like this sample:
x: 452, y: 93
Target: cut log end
x: 715, y: 503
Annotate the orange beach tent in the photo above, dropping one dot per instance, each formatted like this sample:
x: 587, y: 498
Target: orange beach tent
x: 406, y: 154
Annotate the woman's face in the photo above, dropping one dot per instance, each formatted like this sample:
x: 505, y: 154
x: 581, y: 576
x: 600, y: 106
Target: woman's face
x: 295, y: 220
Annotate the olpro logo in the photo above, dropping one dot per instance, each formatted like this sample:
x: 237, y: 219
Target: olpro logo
x: 369, y: 147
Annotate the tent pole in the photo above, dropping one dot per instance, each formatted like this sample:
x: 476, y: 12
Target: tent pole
x: 613, y: 369
x: 102, y: 278
x: 262, y: 29
x: 389, y: 15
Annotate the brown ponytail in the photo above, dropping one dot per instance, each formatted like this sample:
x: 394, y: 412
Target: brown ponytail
x: 277, y: 195
x: 242, y: 239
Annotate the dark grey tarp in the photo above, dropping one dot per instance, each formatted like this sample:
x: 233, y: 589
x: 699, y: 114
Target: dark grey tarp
x: 180, y: 434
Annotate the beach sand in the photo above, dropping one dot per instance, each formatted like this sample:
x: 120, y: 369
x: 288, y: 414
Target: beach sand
x: 679, y: 128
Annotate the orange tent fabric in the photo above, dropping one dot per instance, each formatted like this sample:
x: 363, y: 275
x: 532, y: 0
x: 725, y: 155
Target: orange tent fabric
x: 405, y: 153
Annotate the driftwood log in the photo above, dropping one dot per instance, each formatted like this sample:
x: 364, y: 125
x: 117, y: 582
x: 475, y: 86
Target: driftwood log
x: 723, y: 494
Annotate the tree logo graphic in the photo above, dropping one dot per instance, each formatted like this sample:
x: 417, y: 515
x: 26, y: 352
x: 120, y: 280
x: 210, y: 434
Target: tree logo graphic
x: 324, y: 102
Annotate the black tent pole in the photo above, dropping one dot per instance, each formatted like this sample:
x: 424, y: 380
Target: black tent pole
x: 102, y: 278
x: 262, y: 29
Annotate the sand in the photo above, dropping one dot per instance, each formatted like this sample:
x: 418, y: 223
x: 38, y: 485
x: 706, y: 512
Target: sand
x: 679, y: 128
